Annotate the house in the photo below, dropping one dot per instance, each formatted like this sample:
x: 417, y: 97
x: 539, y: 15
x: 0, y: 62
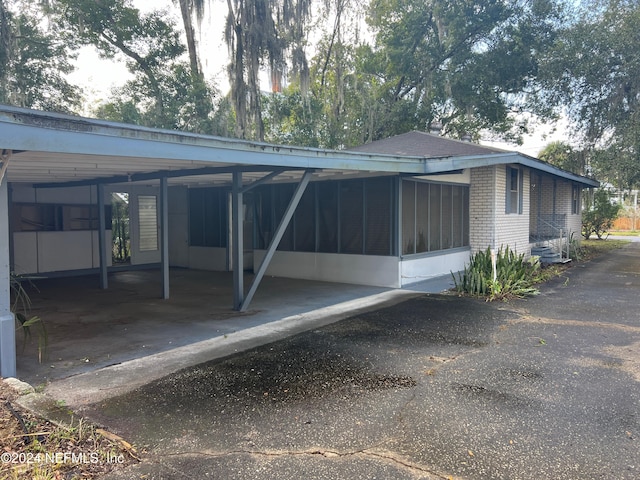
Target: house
x: 389, y: 213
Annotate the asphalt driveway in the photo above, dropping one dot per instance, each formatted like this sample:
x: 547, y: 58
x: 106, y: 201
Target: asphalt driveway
x: 435, y: 387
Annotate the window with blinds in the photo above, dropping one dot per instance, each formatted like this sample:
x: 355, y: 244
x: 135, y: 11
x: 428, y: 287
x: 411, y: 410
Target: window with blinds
x: 148, y: 222
x: 513, y: 199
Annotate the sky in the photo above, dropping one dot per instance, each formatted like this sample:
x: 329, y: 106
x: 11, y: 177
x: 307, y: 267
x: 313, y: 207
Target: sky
x: 533, y: 144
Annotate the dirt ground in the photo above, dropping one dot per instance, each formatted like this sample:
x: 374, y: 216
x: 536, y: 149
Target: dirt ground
x: 34, y: 448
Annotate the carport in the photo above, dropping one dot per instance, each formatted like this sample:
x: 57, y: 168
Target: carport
x: 54, y: 151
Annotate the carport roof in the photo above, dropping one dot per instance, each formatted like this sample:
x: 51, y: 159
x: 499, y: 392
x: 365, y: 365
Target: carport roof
x: 55, y: 149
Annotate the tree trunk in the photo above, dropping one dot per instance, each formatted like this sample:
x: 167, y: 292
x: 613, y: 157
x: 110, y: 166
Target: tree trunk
x: 186, y: 8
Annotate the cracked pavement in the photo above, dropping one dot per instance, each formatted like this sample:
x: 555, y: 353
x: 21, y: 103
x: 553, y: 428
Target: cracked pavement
x: 435, y: 387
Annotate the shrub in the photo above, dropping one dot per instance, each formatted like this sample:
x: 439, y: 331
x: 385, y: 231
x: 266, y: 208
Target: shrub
x: 599, y: 218
x: 515, y: 276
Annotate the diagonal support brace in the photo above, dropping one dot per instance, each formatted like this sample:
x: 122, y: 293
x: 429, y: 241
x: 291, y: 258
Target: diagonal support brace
x: 275, y: 241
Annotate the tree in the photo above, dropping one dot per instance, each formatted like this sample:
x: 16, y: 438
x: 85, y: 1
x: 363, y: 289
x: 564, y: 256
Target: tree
x: 340, y: 109
x: 600, y: 216
x: 165, y: 92
x: 262, y: 33
x: 149, y: 42
x: 594, y: 72
x: 203, y: 102
x: 187, y: 9
x: 618, y: 165
x: 182, y: 108
x: 34, y: 61
x: 337, y: 107
x: 463, y: 65
x: 564, y: 156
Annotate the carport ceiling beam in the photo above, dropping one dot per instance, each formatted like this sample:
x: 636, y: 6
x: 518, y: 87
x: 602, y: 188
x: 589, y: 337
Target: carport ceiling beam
x: 141, y: 177
x: 288, y: 214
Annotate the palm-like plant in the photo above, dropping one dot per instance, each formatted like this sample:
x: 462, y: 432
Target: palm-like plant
x: 21, y: 306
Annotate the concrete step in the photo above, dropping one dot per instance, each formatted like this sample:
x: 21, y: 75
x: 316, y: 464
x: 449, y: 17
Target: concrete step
x: 542, y: 251
x: 548, y: 255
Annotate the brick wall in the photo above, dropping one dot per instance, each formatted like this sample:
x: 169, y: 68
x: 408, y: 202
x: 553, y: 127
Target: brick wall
x: 512, y: 229
x: 481, y: 208
x: 490, y: 224
x: 565, y: 199
x: 554, y: 195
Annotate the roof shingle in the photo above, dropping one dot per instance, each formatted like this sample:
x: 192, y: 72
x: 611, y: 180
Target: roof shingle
x: 421, y: 144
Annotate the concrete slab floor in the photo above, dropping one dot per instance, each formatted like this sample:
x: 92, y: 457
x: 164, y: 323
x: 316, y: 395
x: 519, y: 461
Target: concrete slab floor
x: 89, y: 328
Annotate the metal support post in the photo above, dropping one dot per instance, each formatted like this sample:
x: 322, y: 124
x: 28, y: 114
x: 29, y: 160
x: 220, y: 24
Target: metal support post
x: 237, y: 248
x: 102, y: 244
x: 164, y: 236
x: 7, y: 322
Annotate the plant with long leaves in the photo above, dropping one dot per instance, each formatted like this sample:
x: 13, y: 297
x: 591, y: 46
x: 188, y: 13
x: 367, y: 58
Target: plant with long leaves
x: 21, y: 306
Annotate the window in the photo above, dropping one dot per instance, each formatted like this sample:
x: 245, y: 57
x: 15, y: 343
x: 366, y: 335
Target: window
x: 514, y: 191
x: 305, y: 222
x: 447, y: 217
x: 457, y: 214
x: 408, y: 217
x: 43, y: 217
x: 148, y: 222
x: 282, y: 197
x: 422, y: 217
x: 575, y: 199
x: 434, y: 216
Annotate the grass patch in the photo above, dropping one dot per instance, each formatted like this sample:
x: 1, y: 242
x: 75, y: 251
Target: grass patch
x: 590, y: 249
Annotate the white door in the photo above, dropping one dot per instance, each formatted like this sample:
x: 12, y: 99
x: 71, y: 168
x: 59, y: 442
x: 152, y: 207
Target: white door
x: 145, y: 226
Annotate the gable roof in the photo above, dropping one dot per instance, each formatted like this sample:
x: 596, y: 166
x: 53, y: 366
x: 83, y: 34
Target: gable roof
x: 426, y: 145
